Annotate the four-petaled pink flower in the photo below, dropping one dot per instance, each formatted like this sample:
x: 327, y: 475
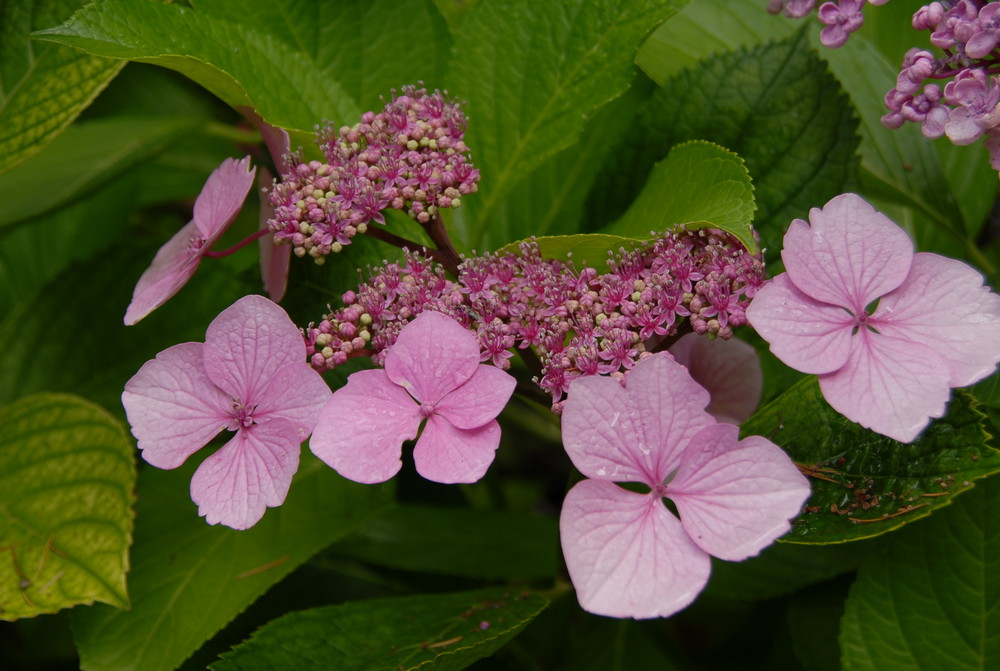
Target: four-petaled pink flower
x: 432, y: 372
x: 175, y: 263
x: 889, y: 368
x: 249, y: 376
x: 627, y: 554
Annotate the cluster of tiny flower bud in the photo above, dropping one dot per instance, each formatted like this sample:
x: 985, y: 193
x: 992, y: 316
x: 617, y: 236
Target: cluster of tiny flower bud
x: 840, y: 18
x: 576, y: 322
x: 409, y: 157
x: 968, y: 34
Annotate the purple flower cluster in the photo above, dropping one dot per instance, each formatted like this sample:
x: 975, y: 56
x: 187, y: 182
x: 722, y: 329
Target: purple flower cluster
x: 578, y: 322
x: 840, y: 18
x: 410, y: 157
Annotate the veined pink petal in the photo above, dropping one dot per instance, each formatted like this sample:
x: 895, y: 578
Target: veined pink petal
x: 601, y: 432
x: 728, y: 369
x: 848, y: 255
x: 362, y: 427
x: 174, y: 264
x: 173, y: 407
x: 432, y: 356
x: 670, y: 407
x: 295, y: 393
x: 889, y: 385
x: 450, y: 455
x: 246, y: 345
x: 479, y: 400
x: 736, y: 497
x: 274, y: 259
x: 627, y: 555
x: 222, y: 197
x: 807, y: 335
x: 944, y: 305
x: 250, y: 473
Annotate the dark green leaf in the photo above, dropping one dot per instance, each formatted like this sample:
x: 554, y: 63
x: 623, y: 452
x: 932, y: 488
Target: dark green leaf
x: 698, y: 185
x: 443, y: 632
x: 189, y: 579
x: 43, y: 87
x: 775, y: 105
x: 66, y: 490
x: 865, y: 484
x: 454, y: 541
x: 931, y: 600
x: 533, y: 72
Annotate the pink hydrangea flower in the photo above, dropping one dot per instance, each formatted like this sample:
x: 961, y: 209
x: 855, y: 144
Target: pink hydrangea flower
x: 432, y: 372
x: 890, y: 368
x: 250, y: 376
x: 175, y: 263
x: 728, y: 369
x: 628, y: 555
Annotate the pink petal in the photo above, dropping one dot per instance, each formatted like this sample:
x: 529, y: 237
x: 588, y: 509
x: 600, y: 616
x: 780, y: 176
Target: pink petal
x: 295, y: 393
x: 807, y: 335
x: 728, y: 369
x: 889, y: 385
x: 252, y: 472
x: 222, y: 197
x: 849, y: 255
x: 670, y: 408
x: 362, y: 427
x: 627, y: 555
x: 602, y: 433
x: 174, y: 264
x: 449, y: 455
x: 173, y: 407
x: 736, y: 498
x: 479, y: 400
x: 944, y: 305
x: 432, y: 356
x: 246, y: 345
x: 274, y: 259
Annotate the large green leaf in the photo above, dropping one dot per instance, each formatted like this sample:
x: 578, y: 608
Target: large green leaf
x: 775, y: 105
x: 43, y: 87
x: 108, y: 148
x: 865, y: 484
x: 584, y: 249
x: 453, y: 541
x: 931, y: 600
x: 66, y: 490
x: 189, y: 579
x: 444, y: 632
x: 698, y: 185
x: 533, y: 73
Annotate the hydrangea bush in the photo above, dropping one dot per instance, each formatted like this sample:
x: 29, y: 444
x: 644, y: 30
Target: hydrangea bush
x: 574, y: 335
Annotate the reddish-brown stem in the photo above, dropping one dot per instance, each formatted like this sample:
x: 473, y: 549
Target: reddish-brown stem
x: 435, y: 229
x: 403, y: 243
x: 239, y: 245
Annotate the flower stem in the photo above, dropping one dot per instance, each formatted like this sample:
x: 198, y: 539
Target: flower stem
x: 239, y: 245
x: 404, y: 243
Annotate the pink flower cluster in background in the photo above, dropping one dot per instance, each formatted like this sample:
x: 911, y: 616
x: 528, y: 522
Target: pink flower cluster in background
x: 578, y: 322
x: 410, y: 156
x: 889, y: 332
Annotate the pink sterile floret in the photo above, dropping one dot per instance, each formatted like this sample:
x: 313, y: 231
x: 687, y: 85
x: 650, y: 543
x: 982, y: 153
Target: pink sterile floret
x: 890, y: 368
x: 729, y: 370
x: 249, y: 376
x: 431, y: 372
x: 215, y: 209
x: 627, y: 554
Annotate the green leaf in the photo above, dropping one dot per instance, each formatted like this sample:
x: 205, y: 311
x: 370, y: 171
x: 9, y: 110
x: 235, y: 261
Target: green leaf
x: 443, y: 632
x: 108, y: 148
x: 931, y: 600
x: 698, y: 185
x: 704, y: 28
x: 533, y: 72
x: 189, y: 579
x: 43, y: 87
x: 584, y: 249
x: 775, y: 105
x: 865, y: 484
x: 66, y: 481
x: 451, y: 541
